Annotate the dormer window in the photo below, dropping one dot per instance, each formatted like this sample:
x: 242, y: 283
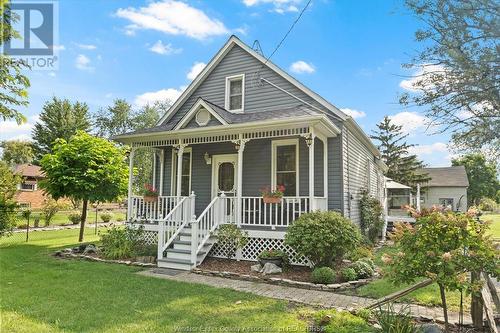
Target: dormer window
x: 235, y: 93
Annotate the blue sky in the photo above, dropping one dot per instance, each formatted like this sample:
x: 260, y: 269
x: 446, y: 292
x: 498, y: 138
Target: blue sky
x: 350, y: 52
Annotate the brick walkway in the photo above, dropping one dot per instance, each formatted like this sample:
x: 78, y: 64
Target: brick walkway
x: 303, y: 296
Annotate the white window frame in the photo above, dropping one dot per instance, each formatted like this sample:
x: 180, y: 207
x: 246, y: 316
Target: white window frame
x: 286, y: 142
x: 32, y: 189
x: 173, y: 174
x: 228, y: 81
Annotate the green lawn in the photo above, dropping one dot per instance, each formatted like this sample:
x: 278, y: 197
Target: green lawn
x: 40, y: 293
x: 62, y: 217
x: 428, y: 296
x: 495, y: 223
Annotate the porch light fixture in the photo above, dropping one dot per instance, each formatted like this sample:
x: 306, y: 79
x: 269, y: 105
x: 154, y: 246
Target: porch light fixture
x: 309, y: 140
x: 208, y: 159
x: 237, y: 145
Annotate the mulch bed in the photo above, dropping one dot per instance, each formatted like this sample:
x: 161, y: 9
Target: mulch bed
x: 296, y: 273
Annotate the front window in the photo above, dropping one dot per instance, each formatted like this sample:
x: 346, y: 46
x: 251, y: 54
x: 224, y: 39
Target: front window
x: 286, y: 166
x: 235, y: 93
x: 28, y: 186
x: 185, y: 175
x: 446, y: 203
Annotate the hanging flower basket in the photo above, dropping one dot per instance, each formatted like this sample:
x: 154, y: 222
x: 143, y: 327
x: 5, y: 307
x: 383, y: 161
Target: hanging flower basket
x: 150, y: 194
x: 150, y: 198
x: 271, y: 200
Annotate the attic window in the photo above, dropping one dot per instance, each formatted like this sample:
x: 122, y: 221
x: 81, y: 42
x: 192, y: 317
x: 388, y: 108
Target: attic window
x: 202, y: 117
x: 235, y: 93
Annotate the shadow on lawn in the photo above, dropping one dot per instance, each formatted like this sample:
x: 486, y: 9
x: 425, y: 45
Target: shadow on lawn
x: 50, y: 294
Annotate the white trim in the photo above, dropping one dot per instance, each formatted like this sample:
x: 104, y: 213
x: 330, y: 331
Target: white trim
x: 227, y: 92
x: 191, y: 113
x: 173, y: 171
x: 220, y: 158
x: 285, y: 142
x: 202, y: 122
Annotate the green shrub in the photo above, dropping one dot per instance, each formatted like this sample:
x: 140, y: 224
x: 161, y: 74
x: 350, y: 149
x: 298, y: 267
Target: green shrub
x: 121, y: 243
x: 371, y: 223
x: 106, y: 217
x: 359, y: 253
x: 120, y: 219
x: 487, y: 204
x: 323, y: 275
x: 369, y: 261
x: 348, y: 274
x: 75, y: 217
x: 322, y: 237
x: 363, y: 269
x: 333, y: 321
x: 231, y: 239
x: 392, y: 321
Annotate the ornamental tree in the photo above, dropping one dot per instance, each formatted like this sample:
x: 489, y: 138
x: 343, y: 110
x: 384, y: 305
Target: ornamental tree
x: 443, y: 246
x: 85, y: 168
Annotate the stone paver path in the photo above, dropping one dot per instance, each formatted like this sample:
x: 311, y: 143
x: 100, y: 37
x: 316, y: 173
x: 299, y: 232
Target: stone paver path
x: 298, y: 295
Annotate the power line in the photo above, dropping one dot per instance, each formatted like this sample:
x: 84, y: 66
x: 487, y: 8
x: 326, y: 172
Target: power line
x: 289, y: 30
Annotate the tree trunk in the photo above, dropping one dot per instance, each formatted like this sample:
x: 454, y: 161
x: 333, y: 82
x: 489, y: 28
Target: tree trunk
x: 82, y: 221
x: 445, y: 307
x: 476, y: 308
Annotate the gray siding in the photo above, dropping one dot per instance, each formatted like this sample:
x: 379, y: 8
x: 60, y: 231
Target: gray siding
x: 258, y: 97
x: 192, y: 123
x: 432, y: 195
x: 335, y: 180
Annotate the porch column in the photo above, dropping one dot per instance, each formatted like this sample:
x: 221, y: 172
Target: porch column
x: 310, y: 143
x: 240, y: 146
x: 162, y: 170
x: 325, y: 168
x: 418, y: 198
x: 130, y: 180
x: 180, y: 152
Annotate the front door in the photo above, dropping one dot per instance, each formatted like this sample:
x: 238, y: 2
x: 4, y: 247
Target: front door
x: 224, y: 174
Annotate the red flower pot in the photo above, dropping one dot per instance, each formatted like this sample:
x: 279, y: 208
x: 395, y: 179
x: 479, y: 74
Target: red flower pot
x: 271, y: 200
x: 150, y: 198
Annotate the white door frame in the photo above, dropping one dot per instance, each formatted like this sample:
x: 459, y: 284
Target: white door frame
x: 216, y: 161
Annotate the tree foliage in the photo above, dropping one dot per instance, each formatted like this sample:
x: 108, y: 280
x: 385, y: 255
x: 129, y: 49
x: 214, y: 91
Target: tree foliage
x: 85, y: 168
x: 8, y: 188
x: 59, y: 119
x: 17, y: 152
x: 116, y: 119
x: 402, y: 166
x: 13, y: 83
x: 482, y: 175
x: 458, y: 73
x: 372, y: 223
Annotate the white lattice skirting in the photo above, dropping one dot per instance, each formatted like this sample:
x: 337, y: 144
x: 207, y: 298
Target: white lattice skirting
x: 151, y: 237
x: 256, y: 245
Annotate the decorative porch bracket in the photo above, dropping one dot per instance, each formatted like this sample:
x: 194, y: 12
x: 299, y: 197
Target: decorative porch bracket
x: 240, y: 146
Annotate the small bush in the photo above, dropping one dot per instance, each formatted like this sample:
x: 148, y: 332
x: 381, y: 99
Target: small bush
x: 231, y: 239
x: 371, y: 217
x: 121, y: 243
x: 106, y: 217
x: 348, y: 274
x: 363, y: 269
x: 323, y: 275
x: 120, y: 219
x: 323, y: 237
x: 75, y: 217
x: 487, y: 205
x: 359, y: 253
x: 392, y: 321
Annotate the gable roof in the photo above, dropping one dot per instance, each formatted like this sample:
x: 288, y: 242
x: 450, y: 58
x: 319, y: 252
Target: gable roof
x: 454, y: 176
x: 208, y: 106
x: 29, y: 170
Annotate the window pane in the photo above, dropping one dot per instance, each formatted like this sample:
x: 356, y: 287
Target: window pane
x: 226, y: 176
x: 285, y: 158
x: 185, y: 186
x: 235, y: 87
x: 288, y: 180
x: 235, y: 102
x: 186, y: 163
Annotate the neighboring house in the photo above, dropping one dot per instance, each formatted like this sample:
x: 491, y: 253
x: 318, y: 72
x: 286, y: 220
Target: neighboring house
x: 29, y: 195
x: 447, y: 188
x: 241, y: 125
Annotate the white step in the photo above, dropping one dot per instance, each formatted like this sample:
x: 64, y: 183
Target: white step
x: 182, y: 254
x: 182, y: 245
x: 175, y: 264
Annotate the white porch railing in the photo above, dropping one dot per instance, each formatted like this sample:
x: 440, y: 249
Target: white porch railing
x: 173, y: 223
x: 152, y: 211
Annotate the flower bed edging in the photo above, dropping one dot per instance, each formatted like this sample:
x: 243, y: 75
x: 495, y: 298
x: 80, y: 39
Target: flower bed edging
x: 334, y: 287
x: 62, y: 254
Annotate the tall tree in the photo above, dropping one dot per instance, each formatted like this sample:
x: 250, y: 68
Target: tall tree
x: 17, y: 152
x: 85, y: 168
x: 13, y: 83
x: 483, y: 177
x: 60, y: 119
x: 116, y: 119
x: 8, y: 188
x: 458, y: 70
x: 402, y: 166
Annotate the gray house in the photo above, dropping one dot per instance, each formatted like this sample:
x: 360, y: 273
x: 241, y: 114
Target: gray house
x: 241, y: 125
x: 447, y: 188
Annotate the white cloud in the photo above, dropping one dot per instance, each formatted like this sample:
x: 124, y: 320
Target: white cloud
x: 10, y: 130
x: 170, y: 95
x: 82, y: 62
x: 86, y: 46
x: 58, y: 47
x: 301, y: 66
x: 172, y: 17
x: 422, y: 78
x: 164, y: 49
x: 410, y: 121
x: 52, y: 74
x: 279, y: 6
x: 353, y: 113
x: 437, y: 147
x: 195, y: 70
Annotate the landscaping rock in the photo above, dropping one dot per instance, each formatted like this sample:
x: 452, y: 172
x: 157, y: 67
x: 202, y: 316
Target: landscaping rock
x: 256, y: 268
x: 270, y: 268
x: 431, y: 328
x: 90, y: 249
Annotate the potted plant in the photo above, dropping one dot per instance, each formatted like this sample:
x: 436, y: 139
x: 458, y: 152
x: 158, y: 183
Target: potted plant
x: 276, y: 257
x: 270, y: 196
x: 150, y: 193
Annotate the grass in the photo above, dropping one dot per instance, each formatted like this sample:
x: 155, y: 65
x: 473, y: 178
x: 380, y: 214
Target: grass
x: 428, y: 296
x: 61, y: 217
x: 495, y: 224
x: 40, y: 293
